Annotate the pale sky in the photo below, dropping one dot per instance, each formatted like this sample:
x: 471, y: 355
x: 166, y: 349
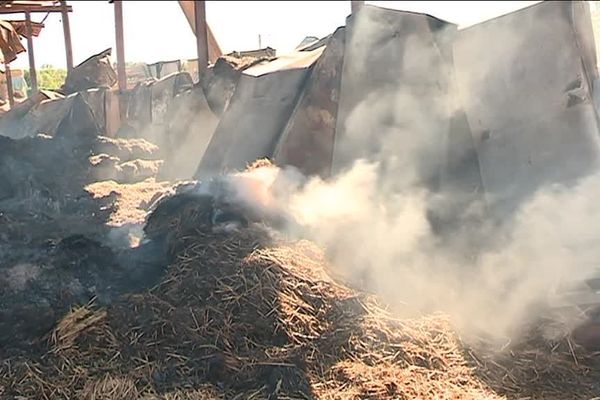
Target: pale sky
x: 158, y: 30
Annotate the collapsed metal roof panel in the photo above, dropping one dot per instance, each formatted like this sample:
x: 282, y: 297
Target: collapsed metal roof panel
x: 294, y: 60
x: 10, y: 44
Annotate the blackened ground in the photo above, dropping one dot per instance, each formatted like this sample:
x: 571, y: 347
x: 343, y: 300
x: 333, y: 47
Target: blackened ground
x: 57, y: 240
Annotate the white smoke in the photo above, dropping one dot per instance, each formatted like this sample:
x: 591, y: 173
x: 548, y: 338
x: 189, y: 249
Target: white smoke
x: 387, y: 245
x: 386, y: 227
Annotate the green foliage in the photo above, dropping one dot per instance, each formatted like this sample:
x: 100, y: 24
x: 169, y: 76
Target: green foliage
x: 48, y: 77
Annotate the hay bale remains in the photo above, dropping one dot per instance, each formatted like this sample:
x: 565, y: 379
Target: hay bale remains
x: 246, y: 315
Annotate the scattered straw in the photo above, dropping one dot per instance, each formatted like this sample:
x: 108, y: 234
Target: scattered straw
x: 240, y: 316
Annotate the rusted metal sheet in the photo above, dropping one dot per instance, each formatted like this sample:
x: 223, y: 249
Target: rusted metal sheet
x: 528, y: 100
x: 94, y: 72
x: 252, y: 123
x: 21, y: 28
x: 10, y: 45
x: 395, y: 97
x: 220, y: 80
x: 259, y: 110
x: 307, y: 141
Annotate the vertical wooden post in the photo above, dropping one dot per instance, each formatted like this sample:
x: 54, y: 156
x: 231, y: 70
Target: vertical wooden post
x: 121, y: 71
x: 201, y: 35
x: 9, y: 86
x: 32, y: 71
x: 356, y: 5
x: 67, y: 32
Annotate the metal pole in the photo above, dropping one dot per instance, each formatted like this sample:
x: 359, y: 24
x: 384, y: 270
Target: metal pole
x: 32, y: 72
x: 121, y: 71
x: 201, y: 36
x: 9, y: 86
x: 67, y: 30
x: 356, y: 5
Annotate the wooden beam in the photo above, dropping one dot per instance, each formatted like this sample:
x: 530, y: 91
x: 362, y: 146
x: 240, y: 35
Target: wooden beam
x: 356, y: 5
x: 201, y: 36
x: 9, y: 86
x: 214, y: 50
x: 121, y: 71
x: 67, y: 32
x: 32, y: 71
x: 32, y: 9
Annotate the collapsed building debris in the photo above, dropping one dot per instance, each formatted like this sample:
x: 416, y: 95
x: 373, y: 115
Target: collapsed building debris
x: 210, y: 299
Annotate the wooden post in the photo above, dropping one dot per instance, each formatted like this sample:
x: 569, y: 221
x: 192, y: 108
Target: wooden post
x: 356, y: 5
x: 9, y: 86
x: 201, y: 36
x: 32, y: 72
x: 67, y: 30
x: 121, y: 71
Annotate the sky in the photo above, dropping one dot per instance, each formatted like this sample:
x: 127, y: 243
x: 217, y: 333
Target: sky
x: 158, y: 31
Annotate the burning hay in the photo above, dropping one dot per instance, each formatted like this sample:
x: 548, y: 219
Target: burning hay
x: 243, y: 315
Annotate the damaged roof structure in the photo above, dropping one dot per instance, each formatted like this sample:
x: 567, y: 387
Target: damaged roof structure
x: 28, y: 29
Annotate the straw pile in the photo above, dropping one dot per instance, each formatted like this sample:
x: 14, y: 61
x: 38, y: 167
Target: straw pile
x: 241, y: 315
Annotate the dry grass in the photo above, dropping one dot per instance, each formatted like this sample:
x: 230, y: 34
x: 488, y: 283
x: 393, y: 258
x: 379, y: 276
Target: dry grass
x: 73, y: 324
x: 131, y: 199
x: 239, y: 316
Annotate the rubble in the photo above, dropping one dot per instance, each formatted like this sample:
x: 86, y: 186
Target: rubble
x: 117, y: 281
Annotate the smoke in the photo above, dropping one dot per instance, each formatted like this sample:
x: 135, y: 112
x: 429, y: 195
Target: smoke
x: 386, y: 244
x: 393, y: 221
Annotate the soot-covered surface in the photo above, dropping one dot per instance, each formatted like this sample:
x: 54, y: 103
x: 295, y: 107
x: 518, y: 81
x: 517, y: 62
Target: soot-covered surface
x: 59, y: 245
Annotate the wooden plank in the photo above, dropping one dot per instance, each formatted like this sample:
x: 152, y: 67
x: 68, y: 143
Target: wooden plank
x: 67, y: 32
x: 9, y: 86
x: 32, y: 9
x: 32, y: 71
x: 121, y: 71
x: 201, y: 36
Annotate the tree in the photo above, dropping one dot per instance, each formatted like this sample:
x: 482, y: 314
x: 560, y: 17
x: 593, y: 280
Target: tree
x: 48, y: 77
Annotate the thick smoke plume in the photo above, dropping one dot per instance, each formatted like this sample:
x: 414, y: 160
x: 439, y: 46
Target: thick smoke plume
x: 387, y: 228
x: 387, y: 245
